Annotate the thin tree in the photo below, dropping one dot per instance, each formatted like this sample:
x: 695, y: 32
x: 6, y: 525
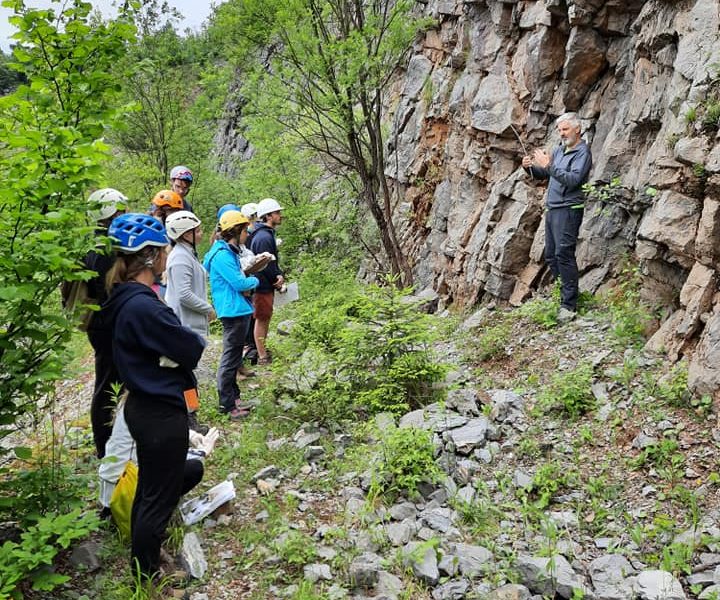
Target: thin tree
x: 325, y: 79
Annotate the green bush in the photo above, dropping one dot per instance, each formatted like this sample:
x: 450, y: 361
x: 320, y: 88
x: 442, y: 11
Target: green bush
x: 407, y: 461
x: 369, y: 350
x: 570, y: 392
x: 493, y: 341
x: 548, y: 480
x: 23, y: 561
x: 673, y: 388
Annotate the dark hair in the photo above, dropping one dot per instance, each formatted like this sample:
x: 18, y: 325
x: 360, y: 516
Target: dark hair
x: 129, y: 266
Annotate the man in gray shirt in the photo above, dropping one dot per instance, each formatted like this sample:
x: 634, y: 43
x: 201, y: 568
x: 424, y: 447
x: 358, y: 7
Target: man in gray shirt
x: 567, y: 168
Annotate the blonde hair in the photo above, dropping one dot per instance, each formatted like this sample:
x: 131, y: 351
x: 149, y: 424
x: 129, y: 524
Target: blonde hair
x: 129, y: 266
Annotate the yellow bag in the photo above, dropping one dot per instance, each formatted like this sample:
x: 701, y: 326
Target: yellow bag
x: 122, y: 498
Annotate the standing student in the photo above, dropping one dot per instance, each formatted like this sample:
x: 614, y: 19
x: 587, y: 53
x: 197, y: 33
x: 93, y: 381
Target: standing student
x: 230, y: 288
x: 186, y: 291
x: 155, y: 357
x: 271, y: 278
x: 106, y: 204
x: 164, y: 203
x: 181, y: 179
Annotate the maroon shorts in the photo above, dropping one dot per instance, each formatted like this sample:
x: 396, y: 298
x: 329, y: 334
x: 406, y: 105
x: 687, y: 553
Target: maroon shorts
x: 263, y: 304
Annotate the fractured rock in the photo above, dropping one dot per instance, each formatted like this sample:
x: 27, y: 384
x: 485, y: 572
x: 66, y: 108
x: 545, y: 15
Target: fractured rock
x: 658, y: 585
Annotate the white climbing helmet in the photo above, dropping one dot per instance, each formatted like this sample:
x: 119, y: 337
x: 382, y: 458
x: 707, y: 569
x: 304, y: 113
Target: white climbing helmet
x: 267, y: 206
x: 105, y: 202
x: 179, y: 222
x: 249, y: 210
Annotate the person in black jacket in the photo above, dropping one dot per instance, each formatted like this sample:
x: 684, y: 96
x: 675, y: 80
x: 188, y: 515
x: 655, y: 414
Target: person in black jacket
x: 271, y: 278
x: 106, y: 204
x: 155, y: 357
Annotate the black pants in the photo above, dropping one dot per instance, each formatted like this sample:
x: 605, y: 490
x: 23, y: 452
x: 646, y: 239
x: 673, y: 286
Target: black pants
x: 160, y: 431
x: 234, y: 333
x: 562, y: 226
x: 102, y: 407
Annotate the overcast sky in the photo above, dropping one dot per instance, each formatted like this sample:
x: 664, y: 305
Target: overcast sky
x: 194, y: 11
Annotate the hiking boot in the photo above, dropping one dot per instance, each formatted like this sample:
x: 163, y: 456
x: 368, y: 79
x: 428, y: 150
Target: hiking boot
x: 251, y: 356
x: 195, y: 426
x: 565, y: 315
x: 238, y: 413
x: 245, y: 372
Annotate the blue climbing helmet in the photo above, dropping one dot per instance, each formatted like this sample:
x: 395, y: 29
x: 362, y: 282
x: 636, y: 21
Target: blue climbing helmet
x: 133, y: 231
x: 224, y: 208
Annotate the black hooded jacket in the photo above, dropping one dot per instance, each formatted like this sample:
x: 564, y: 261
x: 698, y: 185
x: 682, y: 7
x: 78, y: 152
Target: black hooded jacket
x: 143, y: 330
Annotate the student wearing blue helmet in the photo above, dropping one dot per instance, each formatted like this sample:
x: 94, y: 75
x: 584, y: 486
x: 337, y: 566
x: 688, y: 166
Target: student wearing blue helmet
x: 155, y: 357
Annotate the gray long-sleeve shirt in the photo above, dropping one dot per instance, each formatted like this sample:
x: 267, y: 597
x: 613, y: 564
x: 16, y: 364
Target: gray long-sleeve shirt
x: 568, y: 172
x: 187, y: 289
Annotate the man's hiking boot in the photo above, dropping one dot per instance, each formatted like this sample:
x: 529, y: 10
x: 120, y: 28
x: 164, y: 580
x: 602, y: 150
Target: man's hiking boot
x: 565, y: 315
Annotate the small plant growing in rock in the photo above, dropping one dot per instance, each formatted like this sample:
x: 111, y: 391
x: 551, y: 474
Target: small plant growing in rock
x: 628, y: 313
x: 408, y: 459
x: 673, y: 388
x: 493, y: 341
x: 295, y: 548
x: 548, y: 480
x: 570, y: 392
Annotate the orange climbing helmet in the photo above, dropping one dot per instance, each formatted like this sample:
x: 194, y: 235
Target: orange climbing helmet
x: 168, y: 198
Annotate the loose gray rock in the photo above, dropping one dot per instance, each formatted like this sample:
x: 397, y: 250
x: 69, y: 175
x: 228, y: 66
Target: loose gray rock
x: 469, y: 436
x: 504, y: 404
x: 317, y: 572
x: 86, y: 555
x: 268, y: 472
x: 192, y: 556
x: 658, y: 585
x: 643, y: 441
x: 511, y: 591
x: 521, y: 479
x: 401, y: 533
x: 199, y: 596
x: 473, y: 561
x: 710, y: 592
x: 388, y: 585
x: 403, y: 511
x: 541, y: 577
x: 452, y: 590
x: 313, y: 453
x: 703, y: 578
x: 365, y: 570
x: 422, y: 559
x: 464, y: 401
x: 303, y: 439
x: 439, y: 519
x: 609, y: 575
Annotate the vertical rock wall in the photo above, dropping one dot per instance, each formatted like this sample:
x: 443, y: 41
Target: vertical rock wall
x: 644, y: 77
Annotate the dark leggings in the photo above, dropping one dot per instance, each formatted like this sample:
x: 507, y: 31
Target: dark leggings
x: 102, y: 406
x: 160, y: 430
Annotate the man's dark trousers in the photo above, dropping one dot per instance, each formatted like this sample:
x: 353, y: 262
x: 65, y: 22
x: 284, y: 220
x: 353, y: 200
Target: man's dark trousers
x: 562, y: 226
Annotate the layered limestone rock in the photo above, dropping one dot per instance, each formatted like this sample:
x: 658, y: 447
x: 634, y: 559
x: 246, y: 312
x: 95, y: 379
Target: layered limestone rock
x: 487, y: 82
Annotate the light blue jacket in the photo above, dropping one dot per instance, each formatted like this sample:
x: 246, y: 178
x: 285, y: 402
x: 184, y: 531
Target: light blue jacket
x: 228, y: 282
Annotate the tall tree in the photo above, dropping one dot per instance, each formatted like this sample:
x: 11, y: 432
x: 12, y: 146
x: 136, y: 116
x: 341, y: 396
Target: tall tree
x: 329, y: 66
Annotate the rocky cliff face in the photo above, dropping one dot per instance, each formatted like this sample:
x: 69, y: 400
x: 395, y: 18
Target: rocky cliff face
x: 645, y: 79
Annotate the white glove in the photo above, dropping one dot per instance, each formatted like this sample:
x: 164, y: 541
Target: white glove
x: 195, y: 438
x: 168, y: 362
x: 207, y: 445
